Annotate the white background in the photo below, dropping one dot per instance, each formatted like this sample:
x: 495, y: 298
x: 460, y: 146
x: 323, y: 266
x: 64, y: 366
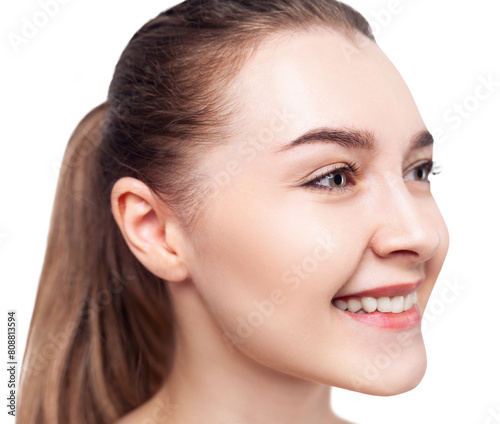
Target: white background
x: 442, y: 48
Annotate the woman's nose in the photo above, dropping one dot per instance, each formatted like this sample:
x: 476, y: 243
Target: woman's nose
x: 404, y: 225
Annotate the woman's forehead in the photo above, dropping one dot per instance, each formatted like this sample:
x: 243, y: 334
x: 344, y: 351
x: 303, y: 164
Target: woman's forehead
x: 322, y: 79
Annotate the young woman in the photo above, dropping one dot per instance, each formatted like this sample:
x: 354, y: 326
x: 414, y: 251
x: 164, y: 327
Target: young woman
x: 245, y: 222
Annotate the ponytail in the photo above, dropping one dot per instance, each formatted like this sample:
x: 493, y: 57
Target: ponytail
x: 88, y: 359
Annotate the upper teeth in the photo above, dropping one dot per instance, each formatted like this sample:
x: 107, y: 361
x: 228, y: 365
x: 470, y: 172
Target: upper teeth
x: 368, y: 304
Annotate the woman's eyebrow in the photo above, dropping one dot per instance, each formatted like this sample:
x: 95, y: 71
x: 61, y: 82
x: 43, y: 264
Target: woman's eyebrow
x: 350, y: 139
x: 422, y: 139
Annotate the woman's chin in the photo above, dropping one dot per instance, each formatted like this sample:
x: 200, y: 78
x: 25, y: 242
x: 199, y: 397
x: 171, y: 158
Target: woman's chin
x: 399, y: 377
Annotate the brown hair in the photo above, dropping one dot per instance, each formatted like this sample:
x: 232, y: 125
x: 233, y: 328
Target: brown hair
x: 101, y: 335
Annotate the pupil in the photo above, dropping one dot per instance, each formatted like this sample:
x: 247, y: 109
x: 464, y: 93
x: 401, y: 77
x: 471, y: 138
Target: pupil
x: 338, y: 179
x: 420, y: 174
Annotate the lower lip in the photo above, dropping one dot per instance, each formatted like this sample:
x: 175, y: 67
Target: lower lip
x: 407, y: 319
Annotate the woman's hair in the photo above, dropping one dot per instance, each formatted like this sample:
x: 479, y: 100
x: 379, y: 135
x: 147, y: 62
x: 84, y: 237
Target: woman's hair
x: 101, y: 336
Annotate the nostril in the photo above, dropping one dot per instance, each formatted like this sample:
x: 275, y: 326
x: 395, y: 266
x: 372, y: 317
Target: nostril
x: 405, y: 253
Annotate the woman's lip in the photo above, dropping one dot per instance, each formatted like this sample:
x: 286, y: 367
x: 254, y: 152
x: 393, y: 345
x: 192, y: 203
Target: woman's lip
x: 407, y: 319
x: 386, y: 291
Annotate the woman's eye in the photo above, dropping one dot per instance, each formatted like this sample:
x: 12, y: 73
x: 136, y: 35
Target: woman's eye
x: 334, y: 179
x: 421, y: 172
x: 337, y: 179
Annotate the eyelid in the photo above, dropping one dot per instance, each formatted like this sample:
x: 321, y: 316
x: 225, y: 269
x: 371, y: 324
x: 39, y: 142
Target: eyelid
x: 348, y: 167
x: 430, y: 165
x: 326, y: 170
x: 342, y: 166
x: 417, y: 163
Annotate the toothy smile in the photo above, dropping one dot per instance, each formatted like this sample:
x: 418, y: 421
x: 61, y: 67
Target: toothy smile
x: 368, y: 304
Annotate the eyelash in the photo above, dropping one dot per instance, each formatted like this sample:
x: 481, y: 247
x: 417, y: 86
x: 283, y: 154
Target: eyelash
x: 429, y: 166
x: 349, y: 168
x: 352, y: 170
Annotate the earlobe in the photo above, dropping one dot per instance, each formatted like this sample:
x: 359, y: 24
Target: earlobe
x: 151, y: 233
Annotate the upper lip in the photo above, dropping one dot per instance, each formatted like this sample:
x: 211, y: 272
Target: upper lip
x: 400, y: 289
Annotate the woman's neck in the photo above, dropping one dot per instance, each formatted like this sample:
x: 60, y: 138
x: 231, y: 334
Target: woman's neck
x: 212, y: 386
x: 213, y: 381
x: 214, y: 391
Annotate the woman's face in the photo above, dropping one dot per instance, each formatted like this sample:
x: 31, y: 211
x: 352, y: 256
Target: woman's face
x: 345, y: 218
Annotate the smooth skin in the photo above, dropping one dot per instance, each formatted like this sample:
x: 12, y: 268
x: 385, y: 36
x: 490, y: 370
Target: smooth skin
x: 258, y: 340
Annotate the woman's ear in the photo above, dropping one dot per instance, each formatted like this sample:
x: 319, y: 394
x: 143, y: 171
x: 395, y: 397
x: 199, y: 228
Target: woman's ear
x: 150, y: 229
